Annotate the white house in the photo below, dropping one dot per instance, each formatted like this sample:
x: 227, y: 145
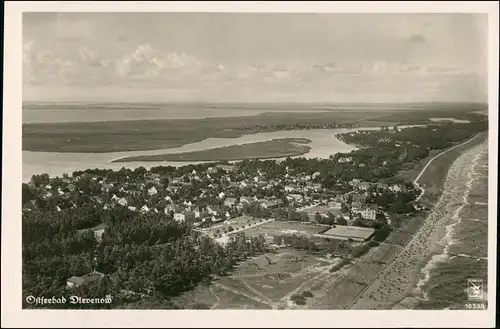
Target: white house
x: 179, y: 217
x: 355, y: 182
x: 144, y: 209
x: 356, y: 206
x: 335, y: 205
x: 222, y: 195
x: 395, y: 188
x: 295, y: 196
x: 132, y: 208
x: 364, y: 186
x: 152, y: 191
x: 211, y: 211
x: 123, y: 202
x: 345, y: 159
x: 244, y: 199
x: 369, y: 212
x: 229, y: 202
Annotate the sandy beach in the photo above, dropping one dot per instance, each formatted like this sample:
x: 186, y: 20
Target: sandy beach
x: 396, y: 287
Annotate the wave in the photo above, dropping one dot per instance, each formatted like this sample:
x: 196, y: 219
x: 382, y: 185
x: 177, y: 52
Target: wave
x: 450, y: 238
x: 427, y: 269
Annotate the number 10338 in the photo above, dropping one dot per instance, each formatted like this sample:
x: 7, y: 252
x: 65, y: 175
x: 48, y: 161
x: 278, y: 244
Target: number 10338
x: 475, y: 306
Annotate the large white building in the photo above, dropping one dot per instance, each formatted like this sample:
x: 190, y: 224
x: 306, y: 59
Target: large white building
x: 341, y: 232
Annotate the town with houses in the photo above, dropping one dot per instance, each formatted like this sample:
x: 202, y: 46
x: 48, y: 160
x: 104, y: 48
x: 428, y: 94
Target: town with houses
x: 231, y: 204
x: 293, y: 203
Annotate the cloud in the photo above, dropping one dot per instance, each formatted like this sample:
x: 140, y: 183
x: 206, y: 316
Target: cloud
x: 417, y: 38
x: 145, y: 69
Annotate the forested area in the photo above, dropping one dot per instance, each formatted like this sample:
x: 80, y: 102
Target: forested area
x: 141, y: 254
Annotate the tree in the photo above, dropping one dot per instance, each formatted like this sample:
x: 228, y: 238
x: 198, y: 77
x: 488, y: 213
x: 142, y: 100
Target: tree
x: 304, y: 217
x: 27, y: 195
x: 344, y: 208
x: 291, y: 212
x: 317, y: 217
x: 382, y: 233
x: 341, y: 221
x: 359, y: 222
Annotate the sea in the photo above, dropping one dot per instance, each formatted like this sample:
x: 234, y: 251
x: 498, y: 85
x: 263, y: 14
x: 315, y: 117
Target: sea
x: 461, y: 259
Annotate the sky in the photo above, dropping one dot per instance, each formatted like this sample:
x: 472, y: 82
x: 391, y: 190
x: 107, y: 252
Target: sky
x: 254, y: 57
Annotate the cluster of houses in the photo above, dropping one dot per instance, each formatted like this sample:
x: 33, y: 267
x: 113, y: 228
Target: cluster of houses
x: 223, y: 194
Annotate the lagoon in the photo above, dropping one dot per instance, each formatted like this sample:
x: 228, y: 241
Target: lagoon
x: 323, y: 144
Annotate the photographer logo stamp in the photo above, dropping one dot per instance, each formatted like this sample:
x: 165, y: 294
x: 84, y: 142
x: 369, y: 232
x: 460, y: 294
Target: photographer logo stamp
x: 475, y: 289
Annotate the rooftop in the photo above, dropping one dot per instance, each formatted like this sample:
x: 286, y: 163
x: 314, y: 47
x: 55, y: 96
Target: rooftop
x: 351, y: 231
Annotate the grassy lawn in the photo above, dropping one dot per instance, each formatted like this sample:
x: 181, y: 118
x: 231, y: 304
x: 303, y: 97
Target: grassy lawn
x: 276, y: 148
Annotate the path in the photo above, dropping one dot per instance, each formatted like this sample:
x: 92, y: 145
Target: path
x: 255, y: 291
x: 217, y: 297
x: 234, y: 291
x: 290, y: 294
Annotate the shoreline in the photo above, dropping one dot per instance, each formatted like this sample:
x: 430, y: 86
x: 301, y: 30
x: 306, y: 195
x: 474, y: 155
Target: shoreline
x: 296, y: 147
x: 405, y: 271
x: 437, y: 251
x: 443, y: 236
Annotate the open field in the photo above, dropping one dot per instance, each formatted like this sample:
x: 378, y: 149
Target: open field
x: 284, y: 227
x: 262, y: 282
x: 237, y: 224
x: 276, y: 148
x: 140, y: 135
x: 322, y: 209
